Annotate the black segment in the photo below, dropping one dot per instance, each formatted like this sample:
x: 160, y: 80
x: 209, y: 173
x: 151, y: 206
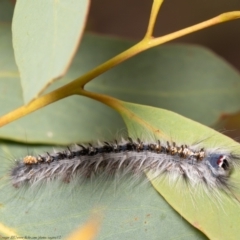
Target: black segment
x: 130, y: 145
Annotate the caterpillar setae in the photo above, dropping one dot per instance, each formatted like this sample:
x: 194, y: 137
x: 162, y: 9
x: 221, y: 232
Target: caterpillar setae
x: 196, y: 165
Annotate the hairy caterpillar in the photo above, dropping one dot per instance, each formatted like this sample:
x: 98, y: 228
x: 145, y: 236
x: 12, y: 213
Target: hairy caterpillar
x: 196, y: 165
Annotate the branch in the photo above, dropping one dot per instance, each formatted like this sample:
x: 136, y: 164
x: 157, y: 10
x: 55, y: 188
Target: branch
x: 76, y: 86
x: 153, y: 16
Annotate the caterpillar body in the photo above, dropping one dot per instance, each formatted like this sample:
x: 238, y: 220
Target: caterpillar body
x: 196, y: 165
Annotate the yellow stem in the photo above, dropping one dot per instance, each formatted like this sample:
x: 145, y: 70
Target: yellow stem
x: 75, y: 87
x: 40, y: 102
x: 107, y: 100
x: 213, y: 21
x: 145, y: 44
x: 153, y: 16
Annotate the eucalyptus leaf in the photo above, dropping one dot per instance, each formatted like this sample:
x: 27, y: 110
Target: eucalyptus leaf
x: 46, y: 35
x: 55, y: 210
x: 214, y: 213
x: 6, y: 10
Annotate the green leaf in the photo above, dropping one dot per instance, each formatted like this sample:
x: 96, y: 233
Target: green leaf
x: 215, y: 216
x: 8, y: 68
x: 6, y: 10
x: 56, y: 210
x: 46, y: 35
x: 188, y: 79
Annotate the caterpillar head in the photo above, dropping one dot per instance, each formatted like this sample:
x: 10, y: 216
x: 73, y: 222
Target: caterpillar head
x: 223, y: 162
x: 220, y: 164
